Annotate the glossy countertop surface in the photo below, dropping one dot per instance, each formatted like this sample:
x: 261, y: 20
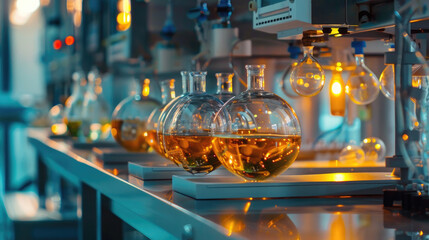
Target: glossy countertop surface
x: 346, y: 217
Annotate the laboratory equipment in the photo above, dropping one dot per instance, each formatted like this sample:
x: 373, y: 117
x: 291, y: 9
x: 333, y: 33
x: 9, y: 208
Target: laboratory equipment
x: 168, y: 93
x: 374, y: 149
x: 387, y: 79
x: 222, y: 35
x: 95, y: 112
x: 288, y: 19
x: 285, y: 84
x: 200, y: 14
x: 257, y: 134
x: 307, y: 78
x: 74, y: 105
x: 363, y: 85
x: 165, y: 52
x: 129, y: 119
x: 186, y: 129
x: 224, y: 86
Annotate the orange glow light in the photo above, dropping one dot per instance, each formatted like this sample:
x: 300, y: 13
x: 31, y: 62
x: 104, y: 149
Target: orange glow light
x: 69, y: 40
x: 336, y: 95
x: 57, y: 44
x: 146, y: 87
x: 123, y: 18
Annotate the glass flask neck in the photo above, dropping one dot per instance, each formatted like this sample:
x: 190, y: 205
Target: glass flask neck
x: 198, y: 82
x: 186, y: 85
x: 360, y: 61
x: 79, y: 86
x: 143, y: 87
x: 307, y: 50
x: 255, y: 77
x: 224, y: 82
x: 167, y: 91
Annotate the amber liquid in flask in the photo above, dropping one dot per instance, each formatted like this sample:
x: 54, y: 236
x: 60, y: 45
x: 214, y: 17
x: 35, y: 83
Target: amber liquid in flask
x: 262, y: 141
x: 151, y: 137
x: 129, y: 120
x: 195, y: 153
x: 257, y: 157
x: 130, y: 134
x: 186, y: 132
x: 73, y: 127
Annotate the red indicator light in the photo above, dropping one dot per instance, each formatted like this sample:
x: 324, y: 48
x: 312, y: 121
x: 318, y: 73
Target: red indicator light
x: 57, y: 44
x: 69, y: 40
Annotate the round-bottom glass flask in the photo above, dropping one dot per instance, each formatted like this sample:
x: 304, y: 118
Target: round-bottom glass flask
x: 186, y: 130
x: 130, y: 117
x: 256, y: 135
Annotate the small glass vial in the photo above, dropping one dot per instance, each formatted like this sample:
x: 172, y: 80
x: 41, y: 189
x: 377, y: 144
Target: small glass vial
x: 186, y: 130
x: 256, y: 135
x: 129, y: 119
x: 168, y: 93
x: 224, y: 86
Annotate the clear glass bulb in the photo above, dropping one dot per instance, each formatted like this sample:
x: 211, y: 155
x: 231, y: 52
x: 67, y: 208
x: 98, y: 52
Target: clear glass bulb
x: 387, y: 82
x: 307, y: 78
x: 363, y: 86
x: 374, y: 149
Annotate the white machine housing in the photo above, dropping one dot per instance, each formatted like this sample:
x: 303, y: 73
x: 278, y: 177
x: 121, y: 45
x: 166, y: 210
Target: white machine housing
x: 273, y: 16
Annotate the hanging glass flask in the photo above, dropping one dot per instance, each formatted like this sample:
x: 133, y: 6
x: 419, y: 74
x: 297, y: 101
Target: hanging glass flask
x: 362, y: 86
x: 307, y: 78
